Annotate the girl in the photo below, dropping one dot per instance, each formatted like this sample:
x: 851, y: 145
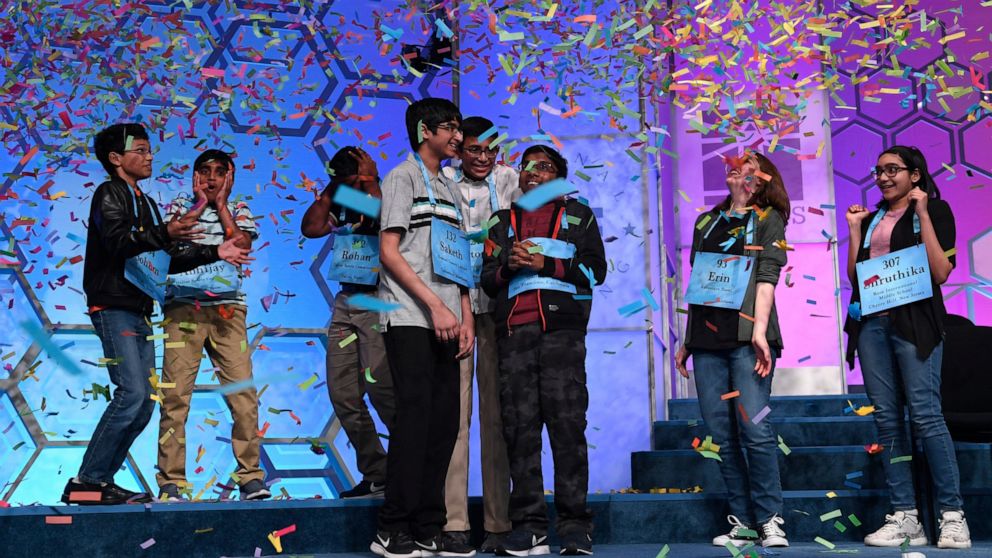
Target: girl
x: 900, y: 346
x: 734, y: 339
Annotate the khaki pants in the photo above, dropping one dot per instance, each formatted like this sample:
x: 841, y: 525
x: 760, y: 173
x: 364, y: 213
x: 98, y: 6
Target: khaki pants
x: 495, y: 464
x: 347, y: 386
x: 222, y: 337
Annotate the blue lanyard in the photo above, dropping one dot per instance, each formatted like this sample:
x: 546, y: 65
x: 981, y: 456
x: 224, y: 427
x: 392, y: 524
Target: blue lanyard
x: 748, y: 231
x: 490, y: 181
x: 430, y: 191
x: 878, y: 218
x: 137, y: 216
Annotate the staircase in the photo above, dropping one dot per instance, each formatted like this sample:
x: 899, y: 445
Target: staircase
x: 827, y: 442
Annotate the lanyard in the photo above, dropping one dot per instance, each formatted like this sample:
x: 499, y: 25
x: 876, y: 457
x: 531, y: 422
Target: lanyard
x: 430, y: 191
x: 490, y: 181
x: 878, y: 218
x: 748, y: 231
x: 137, y: 216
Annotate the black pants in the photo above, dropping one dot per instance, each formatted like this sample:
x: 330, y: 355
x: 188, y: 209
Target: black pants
x: 426, y: 382
x: 543, y: 383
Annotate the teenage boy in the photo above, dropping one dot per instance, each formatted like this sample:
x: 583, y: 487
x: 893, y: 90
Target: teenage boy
x: 427, y: 335
x: 541, y: 267
x: 124, y: 223
x: 205, y: 309
x: 358, y: 367
x: 483, y: 189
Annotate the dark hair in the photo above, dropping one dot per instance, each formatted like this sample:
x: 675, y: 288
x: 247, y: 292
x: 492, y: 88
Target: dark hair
x: 113, y: 139
x: 343, y: 165
x: 555, y: 157
x: 769, y: 193
x: 431, y: 111
x: 915, y: 161
x: 212, y: 155
x: 475, y: 126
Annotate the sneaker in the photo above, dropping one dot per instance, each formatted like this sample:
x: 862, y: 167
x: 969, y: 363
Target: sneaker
x: 954, y: 531
x: 521, y: 542
x: 772, y: 533
x: 898, y: 527
x: 576, y: 544
x: 364, y: 489
x: 397, y: 544
x: 739, y: 535
x: 492, y: 542
x: 449, y: 543
x: 99, y: 494
x: 169, y: 493
x: 254, y: 490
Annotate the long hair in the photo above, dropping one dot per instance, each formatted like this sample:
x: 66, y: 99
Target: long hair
x: 769, y: 193
x: 915, y: 161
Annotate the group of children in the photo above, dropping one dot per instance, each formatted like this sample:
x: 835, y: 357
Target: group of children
x: 468, y: 283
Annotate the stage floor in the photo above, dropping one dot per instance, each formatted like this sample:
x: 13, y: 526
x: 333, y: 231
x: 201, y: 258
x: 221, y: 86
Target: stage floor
x: 980, y: 550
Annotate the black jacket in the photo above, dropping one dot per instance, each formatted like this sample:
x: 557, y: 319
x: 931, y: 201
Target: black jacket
x: 112, y: 238
x: 559, y: 310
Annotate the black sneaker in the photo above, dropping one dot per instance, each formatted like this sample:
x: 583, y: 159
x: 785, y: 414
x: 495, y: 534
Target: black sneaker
x: 449, y: 543
x: 492, y: 542
x: 254, y: 490
x: 169, y: 492
x: 397, y: 544
x: 576, y: 544
x: 112, y: 493
x: 364, y: 489
x: 522, y: 542
x: 85, y: 494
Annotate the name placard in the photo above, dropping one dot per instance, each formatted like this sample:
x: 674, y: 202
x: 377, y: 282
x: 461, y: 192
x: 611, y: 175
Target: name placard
x: 719, y: 280
x: 450, y: 253
x: 894, y: 279
x: 356, y: 259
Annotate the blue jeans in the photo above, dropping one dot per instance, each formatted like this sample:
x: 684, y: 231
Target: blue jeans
x: 123, y: 335
x: 757, y: 480
x: 894, y: 377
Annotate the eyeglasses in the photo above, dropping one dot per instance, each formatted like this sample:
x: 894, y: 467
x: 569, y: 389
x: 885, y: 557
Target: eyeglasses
x: 141, y: 151
x: 541, y: 166
x: 888, y: 170
x: 453, y: 128
x: 478, y: 150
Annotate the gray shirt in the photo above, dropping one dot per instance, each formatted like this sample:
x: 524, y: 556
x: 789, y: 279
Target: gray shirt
x: 476, y: 206
x: 406, y: 206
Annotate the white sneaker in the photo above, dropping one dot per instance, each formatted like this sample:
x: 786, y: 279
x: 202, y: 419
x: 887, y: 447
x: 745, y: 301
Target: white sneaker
x: 739, y: 535
x: 954, y: 531
x: 899, y: 527
x: 772, y: 534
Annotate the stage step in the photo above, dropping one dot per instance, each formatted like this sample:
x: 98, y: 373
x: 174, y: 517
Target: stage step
x: 795, y: 431
x: 327, y: 526
x: 782, y: 406
x: 805, y: 468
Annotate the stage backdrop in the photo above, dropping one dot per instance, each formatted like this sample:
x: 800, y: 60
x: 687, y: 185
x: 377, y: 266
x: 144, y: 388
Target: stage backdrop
x: 641, y: 99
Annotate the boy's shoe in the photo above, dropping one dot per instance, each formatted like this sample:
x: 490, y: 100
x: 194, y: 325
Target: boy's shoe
x: 364, y: 489
x: 576, y: 544
x: 169, y: 493
x: 522, y: 542
x: 772, y: 534
x: 448, y: 543
x: 254, y: 490
x: 739, y: 535
x: 899, y: 527
x: 492, y: 542
x: 954, y: 531
x: 109, y: 494
x: 397, y: 544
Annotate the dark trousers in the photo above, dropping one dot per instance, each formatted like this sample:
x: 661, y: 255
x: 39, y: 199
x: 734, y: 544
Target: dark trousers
x: 425, y: 383
x: 543, y: 383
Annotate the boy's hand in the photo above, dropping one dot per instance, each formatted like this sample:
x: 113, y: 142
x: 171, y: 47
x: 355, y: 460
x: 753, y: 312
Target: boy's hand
x: 200, y: 192
x: 224, y: 192
x: 681, y: 356
x: 466, y: 339
x: 367, y: 170
x: 230, y: 252
x: 184, y: 229
x: 446, y: 325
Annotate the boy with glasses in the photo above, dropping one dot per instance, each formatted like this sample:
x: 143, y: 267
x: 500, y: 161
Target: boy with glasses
x: 483, y: 189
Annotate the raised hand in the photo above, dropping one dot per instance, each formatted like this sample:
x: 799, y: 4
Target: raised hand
x: 367, y: 169
x: 855, y: 214
x: 230, y: 252
x: 224, y: 192
x: 920, y: 198
x: 184, y: 229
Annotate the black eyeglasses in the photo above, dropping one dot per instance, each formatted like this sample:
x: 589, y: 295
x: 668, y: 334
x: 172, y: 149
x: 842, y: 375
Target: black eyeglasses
x: 537, y: 166
x: 478, y: 150
x: 888, y: 170
x: 453, y: 128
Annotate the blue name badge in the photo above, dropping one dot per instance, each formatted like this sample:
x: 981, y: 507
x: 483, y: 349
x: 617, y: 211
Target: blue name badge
x: 218, y: 277
x: 894, y: 279
x: 356, y: 259
x: 148, y: 271
x: 719, y: 280
x: 451, y: 253
x: 528, y: 280
x: 477, y: 249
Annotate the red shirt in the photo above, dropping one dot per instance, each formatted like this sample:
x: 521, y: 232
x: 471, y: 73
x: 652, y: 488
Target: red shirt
x: 532, y: 224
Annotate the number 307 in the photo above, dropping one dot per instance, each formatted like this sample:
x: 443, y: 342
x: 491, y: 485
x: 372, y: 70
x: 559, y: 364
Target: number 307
x: 891, y: 262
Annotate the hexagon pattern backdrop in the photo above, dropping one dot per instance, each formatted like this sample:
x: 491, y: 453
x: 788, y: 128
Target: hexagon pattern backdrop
x: 285, y: 85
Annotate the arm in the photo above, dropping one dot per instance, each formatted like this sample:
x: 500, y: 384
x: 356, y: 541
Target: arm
x: 466, y: 330
x: 111, y: 215
x: 589, y: 252
x: 855, y: 215
x: 768, y: 268
x: 231, y: 229
x: 932, y: 218
x: 318, y: 221
x: 446, y: 326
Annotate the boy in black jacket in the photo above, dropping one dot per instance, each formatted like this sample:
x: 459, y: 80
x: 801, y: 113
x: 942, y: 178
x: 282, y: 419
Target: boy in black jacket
x: 540, y: 266
x: 123, y: 223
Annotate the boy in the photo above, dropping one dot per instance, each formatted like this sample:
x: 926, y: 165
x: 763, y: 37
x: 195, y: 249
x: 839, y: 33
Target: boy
x: 358, y: 367
x: 206, y: 309
x: 427, y: 335
x: 123, y: 223
x: 541, y: 268
x: 483, y: 188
